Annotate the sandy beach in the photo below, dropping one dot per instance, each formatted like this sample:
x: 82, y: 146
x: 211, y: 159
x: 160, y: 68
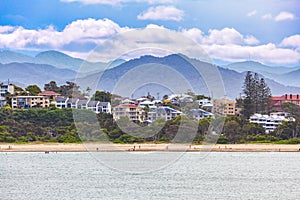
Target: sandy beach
x: 105, y: 147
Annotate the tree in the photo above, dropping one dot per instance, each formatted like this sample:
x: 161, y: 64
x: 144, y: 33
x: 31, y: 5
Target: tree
x: 71, y: 89
x: 19, y: 90
x: 51, y: 86
x: 248, y: 91
x: 165, y: 97
x: 257, y: 95
x: 33, y: 89
x: 102, y: 96
x: 232, y: 131
x: 264, y: 95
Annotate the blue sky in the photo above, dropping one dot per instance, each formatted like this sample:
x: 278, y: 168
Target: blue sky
x: 232, y: 30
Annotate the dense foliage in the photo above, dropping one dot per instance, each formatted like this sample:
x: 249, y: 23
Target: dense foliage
x: 57, y: 125
x: 257, y: 95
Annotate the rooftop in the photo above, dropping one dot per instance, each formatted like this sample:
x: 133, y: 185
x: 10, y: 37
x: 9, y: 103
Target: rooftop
x: 48, y: 93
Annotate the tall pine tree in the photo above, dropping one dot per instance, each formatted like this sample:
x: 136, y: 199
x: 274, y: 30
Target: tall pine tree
x: 257, y: 95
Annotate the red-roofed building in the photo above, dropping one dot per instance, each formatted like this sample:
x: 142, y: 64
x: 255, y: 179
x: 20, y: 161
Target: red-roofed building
x: 277, y: 101
x: 50, y: 94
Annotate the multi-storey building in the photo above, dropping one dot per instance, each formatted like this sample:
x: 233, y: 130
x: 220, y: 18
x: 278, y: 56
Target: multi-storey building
x: 29, y: 102
x: 133, y: 112
x: 50, y: 94
x: 224, y: 106
x: 164, y: 112
x: 4, y: 89
x: 270, y: 123
x: 277, y: 101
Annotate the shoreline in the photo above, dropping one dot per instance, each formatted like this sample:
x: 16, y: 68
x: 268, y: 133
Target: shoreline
x: 146, y: 147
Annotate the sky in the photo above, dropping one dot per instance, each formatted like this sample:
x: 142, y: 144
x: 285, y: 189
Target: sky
x: 266, y: 31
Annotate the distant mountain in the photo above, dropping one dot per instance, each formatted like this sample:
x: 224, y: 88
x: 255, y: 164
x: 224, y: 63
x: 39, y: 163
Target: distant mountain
x: 58, y: 60
x: 291, y: 78
x: 61, y: 67
x: 284, y: 75
x: 29, y: 73
x: 10, y: 57
x: 259, y: 68
x: 233, y: 80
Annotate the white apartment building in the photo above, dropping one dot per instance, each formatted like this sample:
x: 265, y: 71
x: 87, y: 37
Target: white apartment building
x: 4, y: 89
x: 164, y: 112
x: 270, y: 123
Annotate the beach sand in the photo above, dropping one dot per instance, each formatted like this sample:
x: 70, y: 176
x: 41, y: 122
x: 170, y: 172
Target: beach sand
x: 107, y: 147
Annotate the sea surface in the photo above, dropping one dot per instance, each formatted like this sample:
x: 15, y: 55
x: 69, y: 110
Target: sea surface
x: 223, y: 175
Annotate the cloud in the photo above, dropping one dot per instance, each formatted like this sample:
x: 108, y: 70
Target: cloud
x: 284, y: 16
x: 161, y: 13
x: 81, y: 36
x: 221, y: 37
x: 231, y: 46
x: 79, y: 31
x: 6, y: 29
x: 267, y: 16
x: 292, y: 41
x: 118, y: 2
x: 252, y: 13
x: 267, y: 53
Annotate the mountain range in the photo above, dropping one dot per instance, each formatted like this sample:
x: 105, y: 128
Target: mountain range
x: 56, y: 59
x: 53, y: 65
x: 284, y: 75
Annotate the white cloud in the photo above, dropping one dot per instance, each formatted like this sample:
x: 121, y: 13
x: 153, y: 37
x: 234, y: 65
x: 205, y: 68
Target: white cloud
x: 284, y: 16
x: 292, y: 41
x: 80, y: 31
x: 221, y: 37
x: 267, y: 16
x: 162, y: 13
x: 81, y: 36
x: 231, y: 46
x: 118, y: 2
x: 252, y: 13
x: 267, y: 53
x: 6, y: 29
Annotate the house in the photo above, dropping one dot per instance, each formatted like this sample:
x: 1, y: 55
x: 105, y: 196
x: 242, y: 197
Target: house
x: 200, y: 114
x: 133, y: 112
x: 127, y: 101
x: 104, y: 107
x: 72, y: 103
x: 82, y: 104
x: 270, y: 123
x: 50, y: 94
x: 150, y: 104
x: 277, y: 101
x: 77, y: 103
x: 164, y: 112
x: 224, y: 106
x: 61, y: 102
x: 29, y: 102
x: 206, y: 104
x: 4, y: 89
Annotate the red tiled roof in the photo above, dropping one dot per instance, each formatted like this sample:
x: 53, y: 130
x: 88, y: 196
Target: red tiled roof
x: 127, y: 106
x: 286, y: 97
x: 49, y: 93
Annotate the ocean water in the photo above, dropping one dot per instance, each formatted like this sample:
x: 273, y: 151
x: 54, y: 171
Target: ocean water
x: 194, y: 175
